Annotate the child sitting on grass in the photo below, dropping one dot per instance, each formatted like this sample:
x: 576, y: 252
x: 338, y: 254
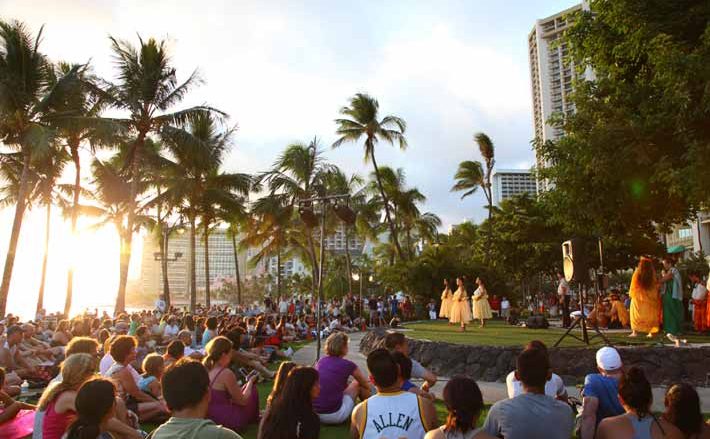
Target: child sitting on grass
x: 405, y: 367
x: 153, y: 368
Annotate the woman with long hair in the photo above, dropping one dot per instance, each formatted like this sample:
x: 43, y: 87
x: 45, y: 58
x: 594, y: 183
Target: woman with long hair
x: 231, y: 406
x: 638, y: 422
x: 446, y: 295
x: 291, y: 415
x: 95, y: 407
x: 58, y: 401
x: 464, y: 402
x: 683, y: 417
x: 279, y: 381
x: 460, y: 308
x: 481, y: 307
x: 645, y: 301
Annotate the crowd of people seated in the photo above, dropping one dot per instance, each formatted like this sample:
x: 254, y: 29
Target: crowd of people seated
x: 112, y: 377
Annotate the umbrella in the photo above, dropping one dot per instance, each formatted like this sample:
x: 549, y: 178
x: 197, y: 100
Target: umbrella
x: 676, y: 249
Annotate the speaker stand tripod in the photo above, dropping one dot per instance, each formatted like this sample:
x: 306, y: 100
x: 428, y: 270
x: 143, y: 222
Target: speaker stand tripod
x: 581, y: 321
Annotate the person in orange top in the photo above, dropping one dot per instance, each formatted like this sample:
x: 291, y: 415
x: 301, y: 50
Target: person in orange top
x: 619, y: 313
x: 700, y: 302
x: 645, y: 299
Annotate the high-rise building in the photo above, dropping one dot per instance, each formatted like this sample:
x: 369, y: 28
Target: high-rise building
x: 508, y: 183
x: 551, y: 76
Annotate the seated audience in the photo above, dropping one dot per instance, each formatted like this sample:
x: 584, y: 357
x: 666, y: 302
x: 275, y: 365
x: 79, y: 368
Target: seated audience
x: 187, y: 394
x: 10, y: 355
x: 600, y: 394
x: 126, y: 378
x: 638, y: 422
x: 230, y: 405
x: 62, y: 336
x: 532, y: 415
x: 464, y: 402
x: 405, y: 370
x: 210, y: 332
x: 185, y: 337
x: 683, y: 417
x: 554, y: 386
x: 397, y: 342
x: 280, y: 381
x: 390, y: 413
x: 291, y: 414
x: 95, y: 404
x: 337, y: 398
x: 619, y: 315
x: 174, y: 352
x: 58, y: 400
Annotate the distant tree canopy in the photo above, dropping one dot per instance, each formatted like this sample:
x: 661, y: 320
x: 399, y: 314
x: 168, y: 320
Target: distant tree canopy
x: 636, y: 153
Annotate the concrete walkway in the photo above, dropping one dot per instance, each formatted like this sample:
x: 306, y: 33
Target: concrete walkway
x: 492, y: 391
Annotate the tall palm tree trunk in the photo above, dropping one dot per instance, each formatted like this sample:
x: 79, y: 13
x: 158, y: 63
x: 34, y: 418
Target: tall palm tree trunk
x: 348, y: 262
x: 43, y: 276
x: 207, y: 265
x: 236, y: 270
x: 489, y: 197
x: 278, y: 271
x: 193, y: 274
x: 124, y: 261
x: 164, y: 266
x: 74, y: 148
x: 314, y: 261
x: 385, y: 200
x: 15, y: 234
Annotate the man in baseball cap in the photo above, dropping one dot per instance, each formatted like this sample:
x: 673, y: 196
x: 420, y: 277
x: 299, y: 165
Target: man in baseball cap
x: 600, y: 394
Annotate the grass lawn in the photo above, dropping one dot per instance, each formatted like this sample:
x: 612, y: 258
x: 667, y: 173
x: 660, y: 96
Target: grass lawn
x: 498, y: 333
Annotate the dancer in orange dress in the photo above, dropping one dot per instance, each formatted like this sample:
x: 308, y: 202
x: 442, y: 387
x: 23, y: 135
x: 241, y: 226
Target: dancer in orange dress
x: 645, y: 299
x: 460, y: 307
x: 700, y: 302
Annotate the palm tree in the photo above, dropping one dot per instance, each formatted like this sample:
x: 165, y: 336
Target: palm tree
x: 45, y: 171
x: 195, y: 184
x: 471, y: 175
x: 362, y: 121
x: 147, y: 89
x: 76, y: 121
x: 232, y: 234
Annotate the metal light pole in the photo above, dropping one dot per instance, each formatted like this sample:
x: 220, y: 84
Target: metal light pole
x: 163, y: 257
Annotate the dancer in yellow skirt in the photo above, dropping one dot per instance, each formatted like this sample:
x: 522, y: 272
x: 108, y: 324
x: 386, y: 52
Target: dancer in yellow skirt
x: 481, y: 307
x: 460, y: 308
x: 446, y: 295
x: 645, y: 299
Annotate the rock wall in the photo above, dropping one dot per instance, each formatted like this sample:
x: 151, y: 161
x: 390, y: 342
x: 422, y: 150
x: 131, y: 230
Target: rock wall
x: 663, y: 365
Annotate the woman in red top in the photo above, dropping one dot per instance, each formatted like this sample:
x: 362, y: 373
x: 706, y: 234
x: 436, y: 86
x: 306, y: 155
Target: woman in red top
x: 57, y: 401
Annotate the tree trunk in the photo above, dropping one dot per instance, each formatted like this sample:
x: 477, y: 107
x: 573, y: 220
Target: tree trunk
x: 164, y: 267
x: 74, y: 150
x: 207, y: 265
x: 130, y: 221
x: 388, y: 217
x: 236, y: 270
x: 15, y: 234
x: 278, y: 271
x: 348, y: 262
x: 43, y: 276
x: 193, y: 274
x: 124, y: 261
x: 314, y: 261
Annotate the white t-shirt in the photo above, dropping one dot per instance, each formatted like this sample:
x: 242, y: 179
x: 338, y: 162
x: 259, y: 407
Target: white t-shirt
x: 105, y: 364
x: 505, y: 304
x: 171, y: 331
x: 700, y: 292
x: 283, y: 307
x: 554, y: 387
x: 563, y: 288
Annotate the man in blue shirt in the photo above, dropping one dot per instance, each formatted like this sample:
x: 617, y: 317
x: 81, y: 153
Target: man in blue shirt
x: 601, y: 390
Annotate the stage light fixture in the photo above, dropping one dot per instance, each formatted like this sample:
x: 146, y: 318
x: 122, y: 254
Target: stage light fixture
x: 308, y: 217
x: 345, y: 213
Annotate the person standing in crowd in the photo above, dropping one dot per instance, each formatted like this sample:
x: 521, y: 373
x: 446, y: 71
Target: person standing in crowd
x: 291, y: 414
x: 638, y: 422
x: 554, y: 386
x: 464, y: 402
x: 95, y: 406
x: 672, y: 292
x: 504, y: 308
x: 229, y: 405
x: 391, y: 413
x: 563, y: 294
x: 446, y: 297
x: 682, y: 417
x: 481, y: 307
x: 532, y: 415
x: 600, y: 394
x: 186, y: 391
x: 337, y: 398
x: 699, y: 299
x: 645, y: 304
x: 495, y: 305
x: 460, y: 308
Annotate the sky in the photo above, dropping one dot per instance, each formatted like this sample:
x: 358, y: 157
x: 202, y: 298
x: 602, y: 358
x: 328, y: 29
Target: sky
x: 282, y: 70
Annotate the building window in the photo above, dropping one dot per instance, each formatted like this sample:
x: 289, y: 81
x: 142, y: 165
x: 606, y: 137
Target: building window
x: 685, y: 233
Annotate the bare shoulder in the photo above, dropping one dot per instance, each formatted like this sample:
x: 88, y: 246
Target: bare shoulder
x: 435, y: 434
